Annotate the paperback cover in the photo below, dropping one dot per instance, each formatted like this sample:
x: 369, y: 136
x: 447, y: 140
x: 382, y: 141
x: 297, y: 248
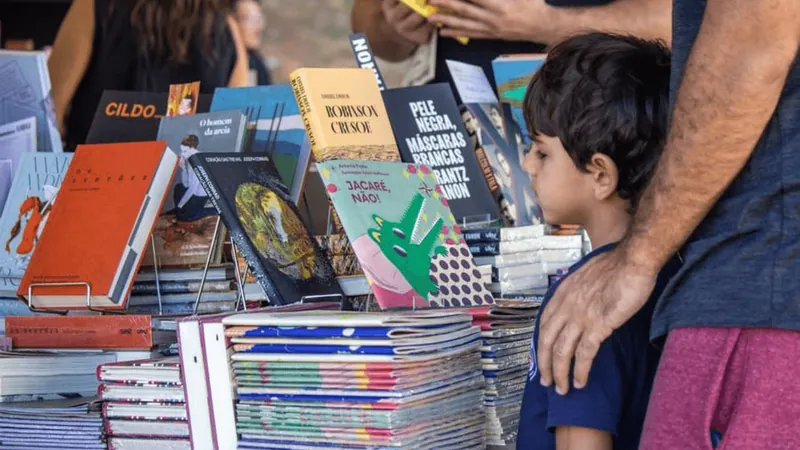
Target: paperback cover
x: 429, y: 131
x: 26, y: 211
x: 26, y: 92
x: 404, y: 234
x: 512, y: 74
x: 131, y: 116
x: 274, y: 126
x: 16, y: 138
x: 185, y: 228
x: 266, y: 226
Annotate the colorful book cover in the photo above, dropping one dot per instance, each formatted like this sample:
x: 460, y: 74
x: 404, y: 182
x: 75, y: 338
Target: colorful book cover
x: 25, y: 213
x: 429, y: 131
x: 185, y: 228
x: 403, y: 232
x: 274, y: 126
x: 512, y: 74
x: 266, y: 227
x: 131, y: 116
x: 25, y: 92
x: 182, y: 100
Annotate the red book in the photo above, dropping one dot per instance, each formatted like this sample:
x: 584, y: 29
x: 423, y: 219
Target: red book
x: 118, y: 332
x: 101, y: 221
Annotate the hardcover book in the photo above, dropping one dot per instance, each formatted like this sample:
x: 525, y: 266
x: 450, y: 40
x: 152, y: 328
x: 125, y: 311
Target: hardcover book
x: 266, y: 226
x: 185, y: 228
x: 274, y: 126
x: 429, y: 131
x: 512, y: 74
x: 404, y: 234
x: 26, y: 212
x: 99, y: 226
x: 26, y: 92
x: 131, y: 116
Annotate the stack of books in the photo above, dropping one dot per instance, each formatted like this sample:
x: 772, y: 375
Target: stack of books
x: 144, y: 405
x: 507, y: 330
x: 316, y: 379
x: 31, y: 426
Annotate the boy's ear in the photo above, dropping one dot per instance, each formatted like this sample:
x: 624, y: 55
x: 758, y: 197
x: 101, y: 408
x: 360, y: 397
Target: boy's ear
x: 605, y: 176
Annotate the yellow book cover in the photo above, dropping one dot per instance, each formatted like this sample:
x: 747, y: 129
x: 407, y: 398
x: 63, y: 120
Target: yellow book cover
x: 344, y: 114
x: 422, y: 8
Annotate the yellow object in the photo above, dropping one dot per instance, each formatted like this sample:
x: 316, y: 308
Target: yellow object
x: 422, y: 8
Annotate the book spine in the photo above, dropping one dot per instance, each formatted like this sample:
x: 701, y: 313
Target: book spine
x: 129, y: 332
x: 180, y: 287
x: 238, y: 235
x: 309, y: 120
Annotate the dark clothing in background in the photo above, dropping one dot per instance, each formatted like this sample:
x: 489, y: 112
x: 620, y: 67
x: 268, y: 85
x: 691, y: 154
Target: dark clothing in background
x: 256, y: 63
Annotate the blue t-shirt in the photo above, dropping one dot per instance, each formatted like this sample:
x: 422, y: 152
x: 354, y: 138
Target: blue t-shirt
x: 615, y: 398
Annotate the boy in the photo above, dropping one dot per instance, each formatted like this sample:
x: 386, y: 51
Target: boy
x: 597, y: 112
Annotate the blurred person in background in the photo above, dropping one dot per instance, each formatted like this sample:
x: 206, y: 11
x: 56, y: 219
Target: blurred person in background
x: 252, y: 22
x: 499, y: 27
x: 140, y: 45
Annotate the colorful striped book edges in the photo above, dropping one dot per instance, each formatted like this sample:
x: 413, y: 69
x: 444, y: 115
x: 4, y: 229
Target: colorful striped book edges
x: 33, y: 426
x: 143, y: 405
x: 323, y: 379
x: 507, y: 330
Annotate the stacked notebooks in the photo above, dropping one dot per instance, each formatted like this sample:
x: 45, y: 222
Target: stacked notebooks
x: 40, y: 427
x: 507, y: 330
x: 144, y: 405
x: 322, y: 379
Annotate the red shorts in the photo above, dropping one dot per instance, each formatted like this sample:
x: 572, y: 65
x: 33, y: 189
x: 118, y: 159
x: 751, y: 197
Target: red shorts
x: 739, y: 381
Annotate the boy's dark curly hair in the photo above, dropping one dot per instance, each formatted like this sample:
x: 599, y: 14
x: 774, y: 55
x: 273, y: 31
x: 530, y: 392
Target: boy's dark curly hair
x: 605, y: 93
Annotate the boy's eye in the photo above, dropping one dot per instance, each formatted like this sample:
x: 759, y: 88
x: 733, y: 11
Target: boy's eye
x: 540, y: 154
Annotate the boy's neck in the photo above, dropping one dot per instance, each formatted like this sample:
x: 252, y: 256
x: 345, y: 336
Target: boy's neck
x: 608, y: 223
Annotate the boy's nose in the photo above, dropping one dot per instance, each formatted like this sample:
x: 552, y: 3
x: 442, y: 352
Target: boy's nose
x: 529, y: 164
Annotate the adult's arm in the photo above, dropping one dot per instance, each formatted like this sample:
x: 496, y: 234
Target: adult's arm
x: 536, y: 21
x: 240, y: 77
x: 727, y: 96
x: 70, y: 56
x: 367, y: 17
x: 578, y: 438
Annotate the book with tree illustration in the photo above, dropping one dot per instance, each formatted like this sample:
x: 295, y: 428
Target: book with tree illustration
x: 404, y: 234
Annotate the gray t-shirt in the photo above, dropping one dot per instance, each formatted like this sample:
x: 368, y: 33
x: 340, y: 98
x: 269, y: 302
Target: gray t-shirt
x: 742, y: 264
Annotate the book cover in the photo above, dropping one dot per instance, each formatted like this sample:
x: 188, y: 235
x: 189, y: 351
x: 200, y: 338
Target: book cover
x: 274, y: 126
x: 344, y: 114
x: 429, y: 131
x: 26, y: 92
x: 404, y: 234
x: 266, y: 226
x: 512, y: 74
x: 131, y: 116
x: 81, y: 332
x: 185, y: 228
x: 183, y: 99
x: 26, y: 211
x: 16, y: 138
x: 486, y: 126
x: 100, y: 223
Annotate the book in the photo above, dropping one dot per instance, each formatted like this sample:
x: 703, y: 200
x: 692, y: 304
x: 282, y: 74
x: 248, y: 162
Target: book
x: 265, y: 226
x: 274, y: 126
x: 27, y: 92
x: 132, y: 116
x: 185, y: 227
x: 429, y: 130
x: 183, y: 99
x: 512, y: 75
x: 496, y: 234
x: 404, y: 234
x: 344, y: 114
x: 83, y: 332
x: 92, y: 246
x: 26, y: 213
x: 16, y: 138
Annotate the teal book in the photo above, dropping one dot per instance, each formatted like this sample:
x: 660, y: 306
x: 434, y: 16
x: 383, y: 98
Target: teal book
x: 32, y: 193
x: 404, y: 235
x: 512, y: 74
x: 274, y: 126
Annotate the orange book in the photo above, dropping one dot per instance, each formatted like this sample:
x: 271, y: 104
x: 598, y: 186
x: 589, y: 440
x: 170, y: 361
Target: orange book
x: 119, y: 332
x: 102, y: 218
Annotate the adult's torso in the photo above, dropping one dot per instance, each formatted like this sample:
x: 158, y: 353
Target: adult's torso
x: 742, y: 264
x: 479, y: 52
x: 114, y: 65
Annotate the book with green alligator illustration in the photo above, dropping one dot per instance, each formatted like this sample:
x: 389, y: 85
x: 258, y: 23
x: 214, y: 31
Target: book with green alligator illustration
x: 404, y: 235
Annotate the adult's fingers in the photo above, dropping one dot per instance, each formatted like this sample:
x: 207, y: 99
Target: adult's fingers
x: 411, y: 22
x: 462, y: 8
x: 563, y: 352
x: 549, y: 333
x: 395, y: 11
x: 585, y: 353
x: 454, y: 33
x: 462, y: 24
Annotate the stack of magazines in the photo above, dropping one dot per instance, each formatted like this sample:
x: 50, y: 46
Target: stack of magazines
x: 31, y: 426
x: 507, y: 330
x: 143, y: 405
x: 322, y: 379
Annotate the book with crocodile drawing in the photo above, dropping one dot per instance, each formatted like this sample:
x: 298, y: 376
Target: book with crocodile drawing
x: 403, y: 232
